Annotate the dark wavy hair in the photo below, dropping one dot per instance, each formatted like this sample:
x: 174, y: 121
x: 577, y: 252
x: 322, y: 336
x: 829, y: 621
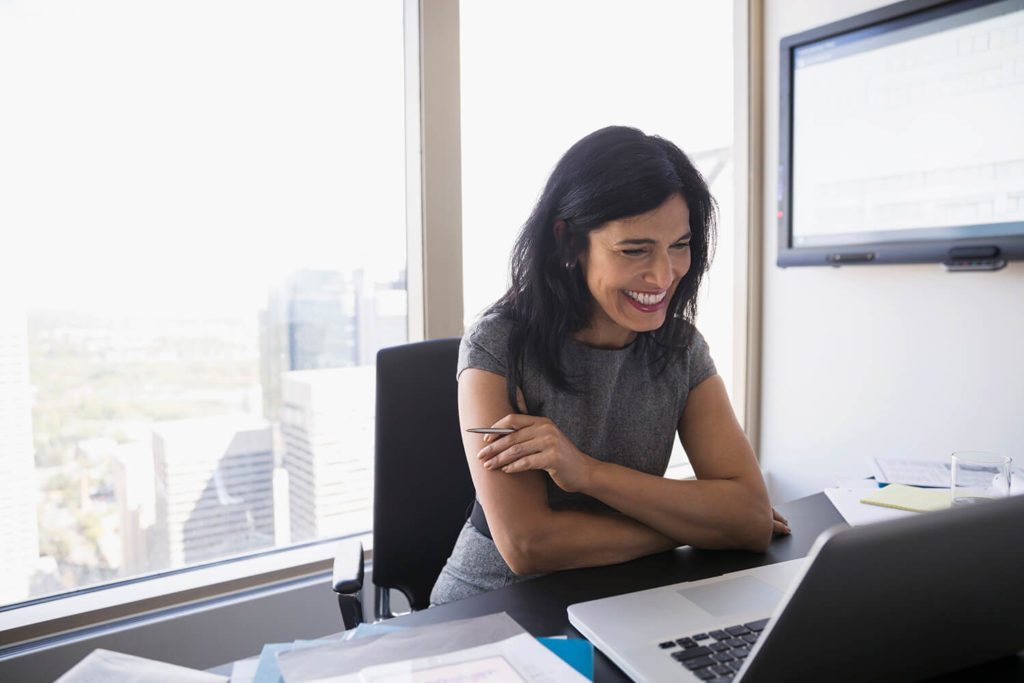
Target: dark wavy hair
x: 613, y: 173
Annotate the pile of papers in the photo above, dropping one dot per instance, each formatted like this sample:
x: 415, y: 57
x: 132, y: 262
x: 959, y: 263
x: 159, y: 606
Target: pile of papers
x: 931, y: 473
x: 910, y: 487
x: 493, y: 647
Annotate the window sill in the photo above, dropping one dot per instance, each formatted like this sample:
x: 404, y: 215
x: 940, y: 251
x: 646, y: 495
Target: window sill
x: 93, y: 607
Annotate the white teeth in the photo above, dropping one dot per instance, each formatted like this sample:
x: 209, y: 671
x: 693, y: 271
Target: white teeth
x: 646, y: 299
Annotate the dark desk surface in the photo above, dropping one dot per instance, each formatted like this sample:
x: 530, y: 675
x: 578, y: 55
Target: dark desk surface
x: 540, y: 605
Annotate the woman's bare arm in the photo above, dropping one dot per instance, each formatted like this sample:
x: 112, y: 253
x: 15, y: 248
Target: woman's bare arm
x: 530, y: 536
x: 726, y: 507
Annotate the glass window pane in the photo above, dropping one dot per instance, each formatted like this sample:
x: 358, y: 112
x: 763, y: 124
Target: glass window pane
x: 537, y: 75
x: 204, y: 219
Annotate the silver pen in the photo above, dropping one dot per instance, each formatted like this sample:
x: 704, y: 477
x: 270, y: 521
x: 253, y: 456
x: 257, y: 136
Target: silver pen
x: 491, y: 430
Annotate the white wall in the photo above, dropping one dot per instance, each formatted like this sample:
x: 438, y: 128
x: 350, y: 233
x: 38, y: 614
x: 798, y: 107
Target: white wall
x: 897, y: 360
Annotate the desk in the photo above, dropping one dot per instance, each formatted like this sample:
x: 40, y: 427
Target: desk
x: 539, y: 605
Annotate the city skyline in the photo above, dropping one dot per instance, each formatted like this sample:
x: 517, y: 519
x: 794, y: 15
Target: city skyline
x: 152, y: 449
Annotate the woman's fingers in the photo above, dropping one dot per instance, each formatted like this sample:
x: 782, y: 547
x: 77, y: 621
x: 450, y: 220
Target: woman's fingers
x: 527, y: 429
x: 502, y: 443
x: 526, y: 462
x: 511, y: 454
x: 523, y: 449
x: 780, y: 526
x: 537, y: 444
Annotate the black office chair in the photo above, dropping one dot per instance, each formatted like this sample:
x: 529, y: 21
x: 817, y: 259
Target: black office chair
x: 422, y: 489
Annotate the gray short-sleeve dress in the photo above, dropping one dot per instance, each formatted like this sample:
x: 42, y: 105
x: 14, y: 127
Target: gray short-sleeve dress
x: 626, y: 413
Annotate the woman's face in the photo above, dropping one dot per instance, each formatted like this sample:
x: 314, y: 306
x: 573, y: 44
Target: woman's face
x: 632, y: 267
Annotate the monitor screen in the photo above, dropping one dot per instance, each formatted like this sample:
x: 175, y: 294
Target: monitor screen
x: 903, y: 136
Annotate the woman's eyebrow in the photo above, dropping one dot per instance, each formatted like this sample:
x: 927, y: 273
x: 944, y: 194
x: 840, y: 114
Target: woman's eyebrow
x: 636, y: 241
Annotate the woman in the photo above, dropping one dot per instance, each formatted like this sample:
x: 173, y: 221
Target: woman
x: 592, y: 358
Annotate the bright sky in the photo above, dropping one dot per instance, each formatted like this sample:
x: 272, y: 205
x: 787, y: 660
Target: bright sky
x: 664, y: 66
x: 183, y: 154
x: 537, y: 75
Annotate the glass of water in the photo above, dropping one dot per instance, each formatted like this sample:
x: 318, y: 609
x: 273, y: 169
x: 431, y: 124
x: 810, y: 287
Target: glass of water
x: 979, y: 476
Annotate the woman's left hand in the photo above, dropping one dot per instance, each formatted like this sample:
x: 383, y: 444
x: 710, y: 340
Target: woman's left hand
x: 780, y: 527
x: 537, y: 444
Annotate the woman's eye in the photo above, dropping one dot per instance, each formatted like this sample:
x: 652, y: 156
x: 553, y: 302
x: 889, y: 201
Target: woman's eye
x: 634, y: 252
x: 681, y: 245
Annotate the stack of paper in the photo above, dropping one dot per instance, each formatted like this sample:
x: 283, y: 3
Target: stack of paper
x: 493, y: 647
x: 576, y: 652
x: 933, y: 473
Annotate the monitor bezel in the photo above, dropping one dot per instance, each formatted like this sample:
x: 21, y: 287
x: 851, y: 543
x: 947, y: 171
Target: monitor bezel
x: 947, y: 250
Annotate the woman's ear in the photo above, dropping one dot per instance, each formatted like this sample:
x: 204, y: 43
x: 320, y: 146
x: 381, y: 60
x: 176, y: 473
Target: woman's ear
x: 559, y: 229
x: 565, y: 244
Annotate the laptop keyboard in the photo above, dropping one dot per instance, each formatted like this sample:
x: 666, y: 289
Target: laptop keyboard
x: 715, y: 655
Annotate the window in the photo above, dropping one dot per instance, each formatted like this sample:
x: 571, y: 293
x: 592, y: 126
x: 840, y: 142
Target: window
x: 539, y: 75
x: 204, y: 219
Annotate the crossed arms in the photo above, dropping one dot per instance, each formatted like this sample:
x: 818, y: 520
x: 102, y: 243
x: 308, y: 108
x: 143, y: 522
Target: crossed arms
x: 727, y: 505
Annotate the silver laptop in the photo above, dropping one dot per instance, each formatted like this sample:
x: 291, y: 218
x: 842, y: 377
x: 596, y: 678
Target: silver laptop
x: 895, y: 601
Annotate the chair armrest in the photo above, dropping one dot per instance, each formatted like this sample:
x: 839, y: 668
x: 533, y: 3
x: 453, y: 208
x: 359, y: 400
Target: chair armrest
x: 348, y: 568
x: 347, y: 582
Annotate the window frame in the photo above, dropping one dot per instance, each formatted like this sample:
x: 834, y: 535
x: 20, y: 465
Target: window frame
x: 25, y: 623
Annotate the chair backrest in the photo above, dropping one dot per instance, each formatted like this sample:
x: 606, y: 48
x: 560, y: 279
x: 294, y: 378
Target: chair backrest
x: 422, y: 488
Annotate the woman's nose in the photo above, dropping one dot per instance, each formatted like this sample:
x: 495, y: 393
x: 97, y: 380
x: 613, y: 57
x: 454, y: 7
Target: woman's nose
x: 660, y: 274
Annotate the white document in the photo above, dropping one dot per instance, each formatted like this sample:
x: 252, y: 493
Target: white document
x: 489, y: 648
x: 847, y: 501
x: 486, y: 669
x: 519, y: 659
x: 912, y: 472
x: 104, y: 666
x: 244, y: 670
x: 934, y: 473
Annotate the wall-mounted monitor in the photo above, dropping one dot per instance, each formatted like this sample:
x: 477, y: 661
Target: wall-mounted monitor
x: 902, y: 137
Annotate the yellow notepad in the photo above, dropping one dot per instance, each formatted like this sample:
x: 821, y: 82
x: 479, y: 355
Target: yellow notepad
x: 911, y: 498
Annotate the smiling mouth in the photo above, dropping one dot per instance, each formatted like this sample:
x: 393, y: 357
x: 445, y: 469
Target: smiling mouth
x: 646, y: 299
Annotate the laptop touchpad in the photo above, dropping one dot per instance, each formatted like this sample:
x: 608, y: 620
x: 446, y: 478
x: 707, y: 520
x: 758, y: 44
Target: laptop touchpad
x: 738, y: 594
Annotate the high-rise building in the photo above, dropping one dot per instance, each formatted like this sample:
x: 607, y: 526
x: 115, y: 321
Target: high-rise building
x: 319, y: 337
x: 310, y: 322
x: 323, y: 319
x: 214, y: 488
x: 328, y: 427
x: 136, y: 502
x: 326, y: 319
x: 19, y: 534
